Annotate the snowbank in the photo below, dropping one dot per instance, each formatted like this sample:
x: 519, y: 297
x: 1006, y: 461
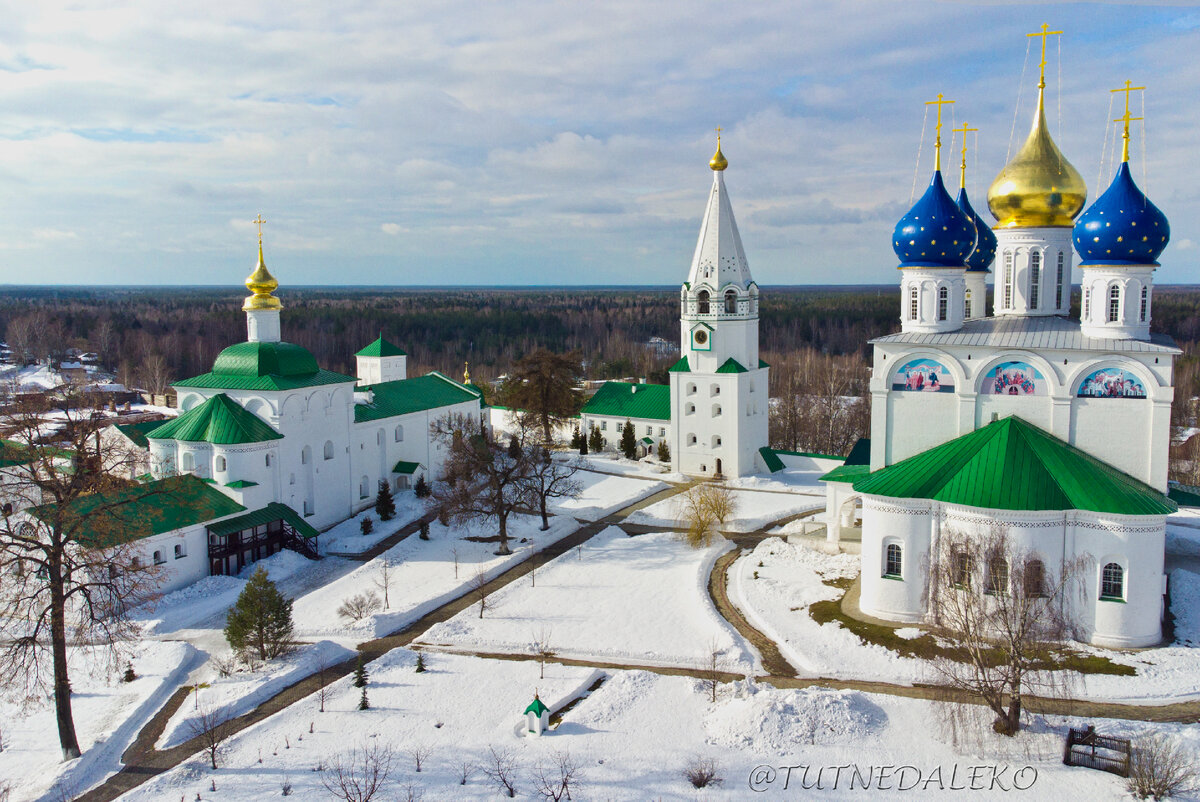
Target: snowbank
x: 347, y: 537
x: 754, y: 510
x: 603, y: 494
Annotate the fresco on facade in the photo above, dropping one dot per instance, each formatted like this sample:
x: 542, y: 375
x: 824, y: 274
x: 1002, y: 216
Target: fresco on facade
x: 1112, y: 383
x: 923, y: 375
x: 1013, y: 378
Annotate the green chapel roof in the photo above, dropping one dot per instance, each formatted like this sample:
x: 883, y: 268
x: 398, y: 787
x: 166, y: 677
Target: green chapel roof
x: 629, y: 400
x: 381, y: 347
x: 403, y: 396
x: 219, y: 420
x: 265, y: 366
x: 537, y: 707
x: 1011, y: 464
x: 731, y: 365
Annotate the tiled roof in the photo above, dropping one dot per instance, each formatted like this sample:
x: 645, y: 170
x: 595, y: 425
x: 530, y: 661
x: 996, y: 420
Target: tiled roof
x: 1013, y: 465
x: 272, y: 512
x: 381, y: 347
x: 141, y: 510
x: 628, y: 400
x: 1033, y: 333
x: 401, y: 397
x: 218, y: 420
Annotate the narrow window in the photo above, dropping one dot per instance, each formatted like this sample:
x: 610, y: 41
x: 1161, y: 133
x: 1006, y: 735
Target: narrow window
x: 1008, y: 279
x: 997, y: 576
x: 1114, y: 303
x: 328, y: 449
x: 1112, y: 582
x: 158, y: 557
x: 702, y: 302
x: 1035, y: 579
x: 1058, y: 282
x: 895, y: 561
x: 912, y: 303
x: 399, y: 434
x: 620, y: 427
x: 220, y: 464
x: 1035, y: 278
x: 364, y: 487
x: 967, y: 305
x: 960, y: 566
x: 604, y: 426
x: 179, y: 552
x: 943, y: 303
x: 730, y: 302
x: 1145, y: 303
x: 1087, y: 303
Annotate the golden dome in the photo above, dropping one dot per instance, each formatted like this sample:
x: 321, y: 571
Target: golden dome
x: 262, y: 284
x: 717, y: 162
x: 1039, y: 187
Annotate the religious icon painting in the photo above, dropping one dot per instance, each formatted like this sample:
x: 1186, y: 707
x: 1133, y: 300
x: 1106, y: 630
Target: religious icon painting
x: 923, y: 375
x: 1111, y: 383
x: 1013, y: 378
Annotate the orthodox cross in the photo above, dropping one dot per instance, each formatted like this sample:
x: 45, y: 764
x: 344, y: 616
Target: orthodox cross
x: 1125, y: 118
x: 258, y: 221
x: 962, y: 174
x: 937, y: 143
x: 1045, y: 32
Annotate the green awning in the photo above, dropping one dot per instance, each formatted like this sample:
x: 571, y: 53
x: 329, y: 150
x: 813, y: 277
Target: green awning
x: 406, y: 468
x: 238, y: 484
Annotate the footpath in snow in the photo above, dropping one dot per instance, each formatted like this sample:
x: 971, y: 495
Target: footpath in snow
x: 752, y: 511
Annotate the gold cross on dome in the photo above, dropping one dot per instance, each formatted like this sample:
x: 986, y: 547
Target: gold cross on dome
x: 258, y: 221
x: 1126, y: 118
x: 962, y: 175
x: 719, y: 130
x: 937, y: 143
x: 1044, y: 33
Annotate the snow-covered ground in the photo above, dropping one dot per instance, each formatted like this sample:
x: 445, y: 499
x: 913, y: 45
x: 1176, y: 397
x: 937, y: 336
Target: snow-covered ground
x: 108, y: 714
x: 753, y: 510
x: 790, y: 580
x: 603, y: 494
x: 631, y: 739
x: 347, y: 537
x: 640, y: 600
x: 789, y: 480
x: 610, y: 462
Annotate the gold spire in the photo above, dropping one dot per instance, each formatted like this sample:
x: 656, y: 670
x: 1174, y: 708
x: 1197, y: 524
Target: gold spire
x: 1039, y: 187
x: 717, y: 162
x: 962, y: 168
x: 466, y: 373
x: 1125, y: 118
x: 261, y: 282
x: 937, y: 142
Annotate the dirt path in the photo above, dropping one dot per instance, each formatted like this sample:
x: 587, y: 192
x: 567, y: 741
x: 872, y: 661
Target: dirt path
x: 142, y: 761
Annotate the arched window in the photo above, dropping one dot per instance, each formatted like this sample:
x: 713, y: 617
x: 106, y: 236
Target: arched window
x: 967, y: 305
x: 158, y: 557
x: 691, y: 388
x: 716, y: 410
x: 1145, y: 304
x: 691, y: 441
x: 1114, y: 303
x: 112, y: 571
x: 379, y: 437
x: 219, y: 464
x: 268, y: 460
x: 997, y: 578
x: 1058, y: 282
x: 716, y: 441
x: 1035, y: 278
x: 364, y: 487
x: 189, y: 462
x: 179, y: 552
x: 689, y: 409
x: 1035, y: 579
x: 943, y: 303
x: 702, y: 302
x: 305, y: 455
x: 730, y: 302
x: 328, y: 452
x: 913, y: 302
x: 893, y: 561
x: 960, y: 569
x: 1112, y: 582
x: 714, y: 389
x: 1008, y: 280
x: 399, y: 434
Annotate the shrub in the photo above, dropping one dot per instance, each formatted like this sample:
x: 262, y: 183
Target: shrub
x: 1160, y: 767
x: 367, y: 525
x: 359, y: 606
x: 422, y: 489
x: 702, y: 772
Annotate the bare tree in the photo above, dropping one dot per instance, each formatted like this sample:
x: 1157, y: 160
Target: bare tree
x: 549, y: 479
x: 557, y: 781
x: 466, y: 770
x: 154, y: 375
x: 383, y: 579
x: 212, y: 727
x: 361, y: 773
x: 1160, y: 767
x: 323, y: 687
x: 702, y: 510
x: 501, y: 768
x: 540, y: 646
x: 711, y: 670
x: 1004, y: 611
x: 420, y: 754
x: 479, y: 586
x: 71, y: 564
x: 359, y: 606
x: 482, y: 480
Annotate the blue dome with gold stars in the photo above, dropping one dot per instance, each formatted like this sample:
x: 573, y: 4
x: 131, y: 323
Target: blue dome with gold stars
x: 935, y: 232
x: 1122, y: 227
x: 985, y: 241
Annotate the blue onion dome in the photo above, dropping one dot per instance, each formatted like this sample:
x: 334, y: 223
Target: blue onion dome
x: 1122, y: 227
x: 935, y: 232
x: 985, y: 242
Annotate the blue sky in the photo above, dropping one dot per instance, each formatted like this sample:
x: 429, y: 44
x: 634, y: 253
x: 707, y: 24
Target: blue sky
x: 544, y: 143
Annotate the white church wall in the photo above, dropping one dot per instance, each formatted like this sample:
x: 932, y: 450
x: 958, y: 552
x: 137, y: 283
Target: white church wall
x: 176, y: 572
x: 919, y: 421
x: 907, y: 524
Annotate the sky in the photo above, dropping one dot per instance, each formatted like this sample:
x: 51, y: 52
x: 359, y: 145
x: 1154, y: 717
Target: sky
x: 520, y: 142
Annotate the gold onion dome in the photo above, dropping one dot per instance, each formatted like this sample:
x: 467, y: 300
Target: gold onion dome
x: 717, y: 162
x: 262, y: 284
x: 1039, y: 187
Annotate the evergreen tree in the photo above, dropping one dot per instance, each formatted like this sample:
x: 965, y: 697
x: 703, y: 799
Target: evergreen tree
x: 385, y: 505
x: 129, y: 675
x: 546, y: 385
x: 420, y: 662
x: 596, y: 442
x: 575, y: 438
x: 628, y: 440
x: 664, y: 451
x: 367, y: 525
x: 360, y: 673
x: 514, y: 448
x: 422, y: 488
x: 424, y: 530
x: 260, y: 622
x: 583, y: 444
x: 363, y: 704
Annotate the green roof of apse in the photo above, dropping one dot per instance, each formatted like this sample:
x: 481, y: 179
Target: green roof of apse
x: 265, y: 366
x: 381, y: 347
x: 401, y: 397
x: 1011, y: 464
x: 218, y: 420
x: 628, y: 400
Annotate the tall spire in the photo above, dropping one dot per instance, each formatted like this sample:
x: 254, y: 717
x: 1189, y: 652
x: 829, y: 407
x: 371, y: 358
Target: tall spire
x: 1125, y: 118
x: 937, y: 142
x: 260, y: 282
x: 719, y: 258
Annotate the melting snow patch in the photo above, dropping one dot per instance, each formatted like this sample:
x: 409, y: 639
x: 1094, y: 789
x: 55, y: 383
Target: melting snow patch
x: 778, y: 722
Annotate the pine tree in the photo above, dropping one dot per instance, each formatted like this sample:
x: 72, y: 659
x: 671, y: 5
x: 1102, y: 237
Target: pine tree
x: 385, y: 505
x: 628, y: 440
x: 664, y: 451
x: 422, y: 488
x: 129, y: 676
x: 360, y: 673
x: 583, y: 444
x: 420, y: 662
x: 575, y: 438
x: 424, y: 530
x: 363, y: 704
x: 514, y: 448
x: 261, y: 620
x: 596, y: 443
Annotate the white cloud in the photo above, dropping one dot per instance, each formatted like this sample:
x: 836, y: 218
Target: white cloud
x: 52, y: 234
x: 391, y: 229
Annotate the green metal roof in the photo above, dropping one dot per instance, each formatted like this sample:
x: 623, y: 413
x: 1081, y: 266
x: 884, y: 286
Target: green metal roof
x: 272, y: 512
x: 405, y: 467
x: 648, y: 441
x: 265, y: 366
x: 381, y: 347
x: 401, y: 397
x: 763, y: 364
x: 629, y: 400
x: 1184, y: 495
x: 537, y: 707
x: 680, y: 367
x: 136, y: 432
x: 846, y: 473
x: 731, y: 366
x: 14, y: 453
x: 141, y: 510
x: 860, y: 452
x: 774, y: 463
x: 219, y: 420
x: 1011, y: 464
x: 238, y: 484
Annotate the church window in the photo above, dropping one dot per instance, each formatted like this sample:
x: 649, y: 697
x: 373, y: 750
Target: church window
x: 219, y: 463
x: 912, y: 303
x: 1087, y: 303
x: 1145, y: 303
x: 604, y: 426
x: 1058, y: 282
x: 894, y: 562
x: 716, y: 441
x: 364, y: 487
x: 1008, y: 279
x: 662, y: 431
x: 135, y: 563
x: 305, y: 456
x: 730, y: 302
x: 943, y: 303
x: 378, y: 440
x: 691, y: 439
x: 689, y: 409
x: 1114, y: 303
x: 967, y: 305
x: 960, y: 568
x: 328, y: 449
x: 997, y: 579
x: 1035, y: 579
x: 702, y: 302
x: 158, y: 557
x: 1035, y: 278
x: 714, y: 389
x: 268, y: 460
x: 649, y: 430
x: 399, y: 434
x: 691, y: 389
x: 180, y: 552
x: 189, y: 462
x: 291, y: 479
x: 716, y: 410
x: 1112, y: 582
x: 620, y: 427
